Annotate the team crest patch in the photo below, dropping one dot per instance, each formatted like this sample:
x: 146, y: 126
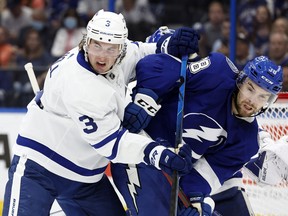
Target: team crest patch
x: 232, y: 66
x: 202, y: 128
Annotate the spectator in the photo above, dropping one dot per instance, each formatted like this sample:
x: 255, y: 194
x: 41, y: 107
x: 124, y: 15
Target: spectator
x: 137, y: 14
x: 222, y: 43
x: 86, y: 8
x: 33, y: 51
x: 278, y: 48
x: 281, y: 8
x: 212, y: 28
x: 244, y: 50
x: 40, y: 24
x: 246, y: 12
x: 6, y: 49
x: 198, y: 27
x: 69, y: 35
x: 261, y: 30
x: 6, y: 87
x: 58, y: 8
x: 280, y: 24
x: 15, y: 17
x: 39, y: 4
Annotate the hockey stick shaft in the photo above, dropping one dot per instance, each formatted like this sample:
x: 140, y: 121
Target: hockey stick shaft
x: 178, y: 140
x: 33, y: 81
x: 182, y: 196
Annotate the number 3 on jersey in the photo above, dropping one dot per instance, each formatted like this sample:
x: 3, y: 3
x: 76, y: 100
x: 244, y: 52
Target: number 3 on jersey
x: 89, y: 123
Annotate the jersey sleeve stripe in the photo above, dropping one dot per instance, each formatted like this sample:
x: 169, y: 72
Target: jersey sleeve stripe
x: 54, y: 156
x: 115, y: 147
x: 106, y: 140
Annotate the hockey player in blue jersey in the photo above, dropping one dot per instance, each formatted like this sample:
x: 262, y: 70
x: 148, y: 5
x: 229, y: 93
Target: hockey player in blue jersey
x: 72, y: 131
x: 219, y: 125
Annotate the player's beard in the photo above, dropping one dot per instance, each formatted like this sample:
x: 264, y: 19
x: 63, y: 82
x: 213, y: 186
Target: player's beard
x: 244, y: 108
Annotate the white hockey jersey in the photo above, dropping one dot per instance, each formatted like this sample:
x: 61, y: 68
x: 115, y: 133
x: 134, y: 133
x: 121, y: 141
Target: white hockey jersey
x: 78, y: 130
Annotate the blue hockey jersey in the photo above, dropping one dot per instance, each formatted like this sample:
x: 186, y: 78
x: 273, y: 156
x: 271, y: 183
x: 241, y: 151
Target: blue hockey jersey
x: 221, y: 142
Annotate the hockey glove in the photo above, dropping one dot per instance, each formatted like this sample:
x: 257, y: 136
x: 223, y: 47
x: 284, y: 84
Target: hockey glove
x: 164, y: 159
x: 271, y: 165
x: 183, y: 41
x: 264, y: 138
x: 186, y: 150
x: 162, y: 30
x: 204, y: 204
x: 190, y: 211
x: 139, y: 113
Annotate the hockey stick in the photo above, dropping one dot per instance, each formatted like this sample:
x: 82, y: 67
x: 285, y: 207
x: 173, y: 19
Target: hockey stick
x: 178, y: 140
x: 33, y: 81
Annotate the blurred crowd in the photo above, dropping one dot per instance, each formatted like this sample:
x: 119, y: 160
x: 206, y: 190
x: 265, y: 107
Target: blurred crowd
x: 40, y: 31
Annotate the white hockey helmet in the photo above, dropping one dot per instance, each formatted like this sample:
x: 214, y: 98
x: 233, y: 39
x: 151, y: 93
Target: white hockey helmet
x: 107, y: 27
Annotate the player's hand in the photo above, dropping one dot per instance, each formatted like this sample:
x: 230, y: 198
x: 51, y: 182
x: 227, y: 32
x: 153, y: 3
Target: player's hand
x: 161, y: 31
x: 190, y: 211
x: 139, y: 112
x: 204, y: 204
x: 165, y: 159
x: 135, y: 118
x: 264, y: 138
x: 183, y: 41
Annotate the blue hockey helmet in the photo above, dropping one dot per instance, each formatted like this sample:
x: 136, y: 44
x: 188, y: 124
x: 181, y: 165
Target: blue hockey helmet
x: 266, y: 74
x: 158, y: 34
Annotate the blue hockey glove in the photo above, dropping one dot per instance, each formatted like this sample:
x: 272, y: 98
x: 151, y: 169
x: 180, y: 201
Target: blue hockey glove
x: 186, y: 150
x: 164, y: 159
x: 183, y: 41
x: 190, y: 211
x: 139, y: 113
x: 135, y: 118
x: 204, y: 204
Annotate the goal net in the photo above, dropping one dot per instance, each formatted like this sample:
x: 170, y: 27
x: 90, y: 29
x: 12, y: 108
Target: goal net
x: 271, y: 200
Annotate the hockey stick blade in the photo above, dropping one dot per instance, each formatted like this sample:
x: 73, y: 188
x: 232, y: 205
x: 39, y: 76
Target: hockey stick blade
x: 33, y: 81
x: 178, y: 140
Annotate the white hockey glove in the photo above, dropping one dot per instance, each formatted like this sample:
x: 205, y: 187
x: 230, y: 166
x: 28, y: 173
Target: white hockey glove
x: 271, y: 165
x: 264, y: 138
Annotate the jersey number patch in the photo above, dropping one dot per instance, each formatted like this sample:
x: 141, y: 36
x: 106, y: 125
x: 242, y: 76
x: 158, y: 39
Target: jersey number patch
x: 89, y: 123
x: 195, y: 67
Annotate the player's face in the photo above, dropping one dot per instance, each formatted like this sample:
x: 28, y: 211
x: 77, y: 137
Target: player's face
x: 250, y: 99
x: 102, y: 56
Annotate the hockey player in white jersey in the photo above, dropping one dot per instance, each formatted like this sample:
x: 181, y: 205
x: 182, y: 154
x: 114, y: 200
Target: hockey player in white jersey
x: 73, y: 128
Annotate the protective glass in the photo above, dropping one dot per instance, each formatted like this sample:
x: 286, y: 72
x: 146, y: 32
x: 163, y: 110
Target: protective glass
x: 98, y: 50
x: 255, y: 93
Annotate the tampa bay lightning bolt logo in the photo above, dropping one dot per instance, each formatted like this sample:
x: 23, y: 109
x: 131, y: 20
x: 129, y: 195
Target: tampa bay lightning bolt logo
x: 204, y: 129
